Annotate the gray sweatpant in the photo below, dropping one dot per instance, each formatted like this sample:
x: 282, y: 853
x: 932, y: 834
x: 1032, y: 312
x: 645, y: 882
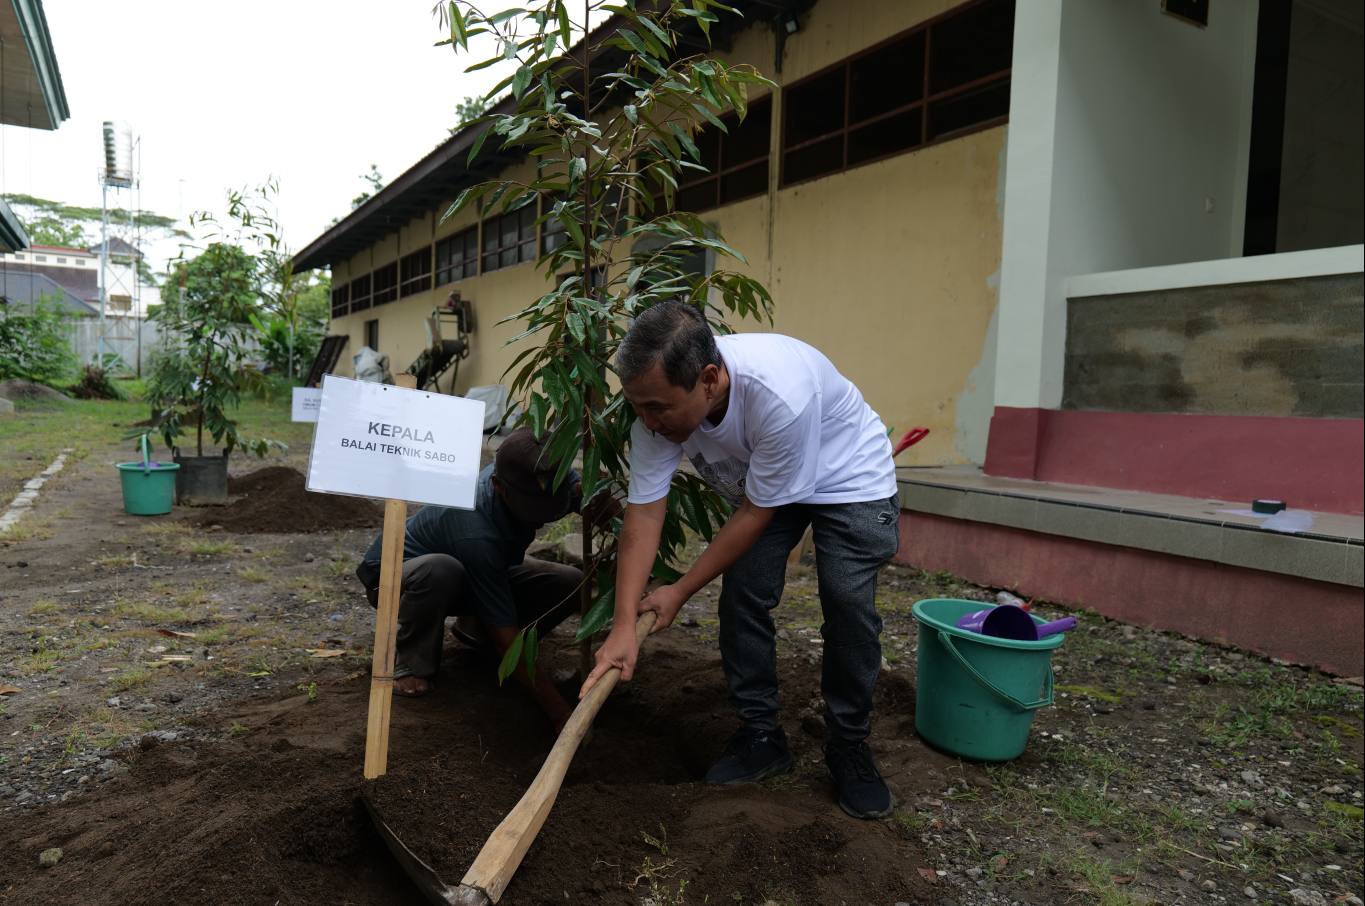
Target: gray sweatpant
x: 435, y: 587
x: 852, y: 543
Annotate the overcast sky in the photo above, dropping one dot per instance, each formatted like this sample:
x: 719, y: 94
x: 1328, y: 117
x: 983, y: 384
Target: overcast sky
x: 224, y: 95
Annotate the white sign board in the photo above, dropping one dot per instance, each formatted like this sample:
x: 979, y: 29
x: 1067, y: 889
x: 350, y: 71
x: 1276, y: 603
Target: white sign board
x: 375, y: 440
x: 306, y: 403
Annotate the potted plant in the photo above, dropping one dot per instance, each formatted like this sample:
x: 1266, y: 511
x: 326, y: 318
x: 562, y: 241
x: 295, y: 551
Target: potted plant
x: 200, y: 375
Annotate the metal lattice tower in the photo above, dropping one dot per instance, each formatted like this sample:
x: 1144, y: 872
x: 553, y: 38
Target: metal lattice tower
x: 120, y: 331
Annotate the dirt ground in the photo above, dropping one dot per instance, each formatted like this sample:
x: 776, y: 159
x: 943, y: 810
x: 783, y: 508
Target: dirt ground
x: 1170, y: 771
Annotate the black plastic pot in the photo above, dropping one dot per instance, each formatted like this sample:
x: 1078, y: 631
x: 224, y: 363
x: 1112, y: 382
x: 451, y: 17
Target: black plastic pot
x: 200, y: 480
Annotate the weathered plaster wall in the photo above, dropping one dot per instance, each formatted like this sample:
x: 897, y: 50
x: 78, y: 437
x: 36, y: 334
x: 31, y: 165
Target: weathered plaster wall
x: 1290, y: 347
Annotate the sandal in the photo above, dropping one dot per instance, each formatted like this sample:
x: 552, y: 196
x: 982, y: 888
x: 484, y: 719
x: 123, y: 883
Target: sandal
x: 464, y: 638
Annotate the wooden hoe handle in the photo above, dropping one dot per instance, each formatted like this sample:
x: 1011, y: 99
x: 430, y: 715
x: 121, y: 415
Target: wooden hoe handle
x: 487, y: 878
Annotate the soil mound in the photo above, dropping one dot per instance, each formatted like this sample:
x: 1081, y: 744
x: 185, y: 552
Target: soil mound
x: 274, y: 500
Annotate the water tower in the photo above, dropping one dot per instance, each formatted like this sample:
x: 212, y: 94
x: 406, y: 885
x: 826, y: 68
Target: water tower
x: 120, y: 334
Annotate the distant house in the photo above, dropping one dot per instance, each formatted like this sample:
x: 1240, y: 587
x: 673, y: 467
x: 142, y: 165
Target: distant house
x: 79, y: 271
x: 1109, y: 255
x: 18, y: 289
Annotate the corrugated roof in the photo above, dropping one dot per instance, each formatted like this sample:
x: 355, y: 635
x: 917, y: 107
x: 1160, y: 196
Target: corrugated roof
x: 21, y: 287
x: 440, y: 176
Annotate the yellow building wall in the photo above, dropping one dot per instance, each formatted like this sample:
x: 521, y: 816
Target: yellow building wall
x: 494, y: 296
x: 890, y: 269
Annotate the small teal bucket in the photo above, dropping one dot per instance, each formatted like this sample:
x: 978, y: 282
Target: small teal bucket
x: 976, y: 694
x: 148, y: 487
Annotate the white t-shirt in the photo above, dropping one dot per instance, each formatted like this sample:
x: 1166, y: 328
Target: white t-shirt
x: 795, y: 431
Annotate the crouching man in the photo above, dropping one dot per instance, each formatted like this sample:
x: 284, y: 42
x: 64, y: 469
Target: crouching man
x: 471, y: 565
x: 770, y: 424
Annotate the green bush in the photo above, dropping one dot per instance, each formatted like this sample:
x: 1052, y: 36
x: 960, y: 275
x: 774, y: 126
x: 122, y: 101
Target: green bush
x: 35, y: 342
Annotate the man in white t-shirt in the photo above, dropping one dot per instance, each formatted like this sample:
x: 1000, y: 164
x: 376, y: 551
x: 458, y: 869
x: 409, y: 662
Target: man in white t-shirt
x: 773, y: 427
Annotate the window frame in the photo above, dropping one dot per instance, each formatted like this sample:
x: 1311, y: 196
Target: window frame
x: 926, y: 98
x: 411, y: 279
x: 342, y: 308
x: 361, y: 302
x: 439, y: 273
x: 718, y: 175
x: 384, y: 283
x: 531, y: 209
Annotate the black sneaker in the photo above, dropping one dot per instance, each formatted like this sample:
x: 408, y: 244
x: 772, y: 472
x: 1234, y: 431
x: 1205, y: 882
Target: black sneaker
x: 862, y: 791
x: 751, y: 756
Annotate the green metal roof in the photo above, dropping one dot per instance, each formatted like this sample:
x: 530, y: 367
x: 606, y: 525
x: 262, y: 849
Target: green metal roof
x: 12, y: 235
x: 34, y: 96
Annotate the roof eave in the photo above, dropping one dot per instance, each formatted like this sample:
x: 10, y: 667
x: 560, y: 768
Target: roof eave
x: 33, y: 22
x: 12, y: 235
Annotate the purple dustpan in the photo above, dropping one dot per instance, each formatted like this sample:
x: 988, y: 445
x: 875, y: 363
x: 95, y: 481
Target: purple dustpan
x: 1009, y: 621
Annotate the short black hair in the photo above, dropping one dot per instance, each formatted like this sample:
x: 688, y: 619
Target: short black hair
x: 674, y: 334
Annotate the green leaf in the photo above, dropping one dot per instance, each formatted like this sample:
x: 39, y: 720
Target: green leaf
x: 521, y: 80
x: 458, y: 33
x: 662, y: 570
x: 509, y: 658
x: 590, y: 469
x: 532, y: 650
x: 536, y: 406
x: 632, y: 114
x: 565, y: 30
x: 601, y: 610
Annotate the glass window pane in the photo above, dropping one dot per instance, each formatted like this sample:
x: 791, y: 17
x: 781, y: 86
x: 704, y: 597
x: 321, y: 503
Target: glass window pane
x: 971, y: 45
x: 490, y: 263
x: 528, y: 250
x: 752, y: 180
x: 886, y: 79
x: 490, y: 235
x: 971, y: 108
x: 471, y: 268
x: 507, y: 230
x: 885, y: 136
x: 815, y: 108
x: 471, y: 244
x: 813, y: 160
x: 707, y: 141
x: 527, y: 221
x: 507, y: 257
x: 750, y: 139
x: 697, y: 197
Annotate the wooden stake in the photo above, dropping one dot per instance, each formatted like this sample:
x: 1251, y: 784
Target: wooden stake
x: 386, y: 627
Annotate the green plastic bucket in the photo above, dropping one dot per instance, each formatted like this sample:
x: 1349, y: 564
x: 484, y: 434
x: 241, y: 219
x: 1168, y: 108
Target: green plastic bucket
x: 148, y: 487
x: 976, y: 695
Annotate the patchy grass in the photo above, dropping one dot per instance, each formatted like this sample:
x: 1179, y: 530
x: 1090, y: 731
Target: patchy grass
x: 193, y: 597
x: 28, y: 530
x: 162, y: 529
x: 131, y: 679
x: 42, y: 607
x: 252, y: 574
x: 150, y: 613
x: 113, y: 563
x: 207, y: 548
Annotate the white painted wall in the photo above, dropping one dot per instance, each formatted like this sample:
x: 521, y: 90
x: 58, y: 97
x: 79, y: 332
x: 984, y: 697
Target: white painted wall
x: 1124, y: 124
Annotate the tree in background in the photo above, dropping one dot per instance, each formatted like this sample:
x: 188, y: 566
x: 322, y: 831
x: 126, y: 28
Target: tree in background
x: 72, y: 226
x: 606, y: 145
x: 375, y: 180
x: 469, y: 110
x: 35, y: 342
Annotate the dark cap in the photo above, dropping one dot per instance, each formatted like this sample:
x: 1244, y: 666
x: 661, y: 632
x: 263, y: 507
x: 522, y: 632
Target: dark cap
x: 522, y: 465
